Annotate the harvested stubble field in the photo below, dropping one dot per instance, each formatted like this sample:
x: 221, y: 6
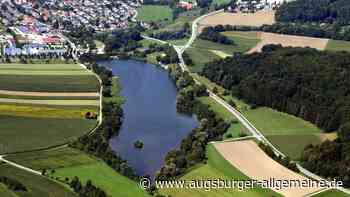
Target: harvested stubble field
x: 254, y: 163
x: 52, y: 102
x: 247, y: 19
x: 289, y: 41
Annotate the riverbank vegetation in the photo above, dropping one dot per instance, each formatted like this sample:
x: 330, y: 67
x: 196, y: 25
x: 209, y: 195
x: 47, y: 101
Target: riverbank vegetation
x: 192, y: 148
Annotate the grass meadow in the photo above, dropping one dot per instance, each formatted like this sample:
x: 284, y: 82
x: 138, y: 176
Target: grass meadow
x: 26, y: 133
x: 154, y: 13
x: 338, y: 45
x: 69, y: 162
x: 5, y: 192
x: 37, y: 185
x: 216, y: 168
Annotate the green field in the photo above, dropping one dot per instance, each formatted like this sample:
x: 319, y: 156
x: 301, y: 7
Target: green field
x: 244, y: 40
x: 52, y: 159
x: 64, y: 112
x: 103, y: 176
x: 204, y: 51
x: 52, y: 102
x: 37, y: 186
x: 220, y: 2
x: 154, y: 13
x: 272, y: 122
x: 49, y: 97
x: 47, y: 78
x: 293, y: 145
x: 332, y: 193
x: 200, y: 57
x: 40, y: 67
x: 54, y: 83
x: 338, y: 45
x: 24, y: 133
x: 216, y: 167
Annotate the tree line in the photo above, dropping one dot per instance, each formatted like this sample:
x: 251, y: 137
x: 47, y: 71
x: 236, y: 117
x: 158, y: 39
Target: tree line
x: 211, y: 127
x: 213, y: 34
x: 87, y: 190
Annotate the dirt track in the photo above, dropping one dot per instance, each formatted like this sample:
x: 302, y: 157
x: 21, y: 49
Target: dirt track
x: 247, y: 19
x: 288, y: 41
x: 50, y: 94
x: 254, y: 163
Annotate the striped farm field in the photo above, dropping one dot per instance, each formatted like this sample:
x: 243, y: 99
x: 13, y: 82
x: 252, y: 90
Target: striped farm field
x: 53, y: 83
x: 43, y: 111
x: 47, y: 78
x: 19, y: 133
x: 53, y: 102
x: 40, y: 67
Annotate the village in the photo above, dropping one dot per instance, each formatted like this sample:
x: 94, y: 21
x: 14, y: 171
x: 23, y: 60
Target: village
x: 37, y: 27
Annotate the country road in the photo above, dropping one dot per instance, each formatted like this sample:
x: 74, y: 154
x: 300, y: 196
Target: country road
x: 19, y: 166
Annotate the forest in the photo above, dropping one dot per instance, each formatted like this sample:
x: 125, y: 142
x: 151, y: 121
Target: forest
x: 213, y: 34
x: 325, y: 11
x: 307, y: 83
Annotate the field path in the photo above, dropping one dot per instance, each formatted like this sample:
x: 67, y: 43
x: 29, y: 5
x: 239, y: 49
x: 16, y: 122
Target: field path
x: 50, y: 94
x: 245, y: 155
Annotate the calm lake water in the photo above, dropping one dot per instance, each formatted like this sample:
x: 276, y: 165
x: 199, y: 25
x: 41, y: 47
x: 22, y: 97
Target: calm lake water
x: 149, y: 115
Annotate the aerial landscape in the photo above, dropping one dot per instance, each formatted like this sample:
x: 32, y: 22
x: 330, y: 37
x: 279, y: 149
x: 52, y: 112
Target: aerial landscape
x: 174, y: 98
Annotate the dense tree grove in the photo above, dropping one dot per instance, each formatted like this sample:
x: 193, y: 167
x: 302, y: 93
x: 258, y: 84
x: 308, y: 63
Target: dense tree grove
x: 324, y: 18
x: 170, y: 56
x: 87, y: 190
x: 213, y: 34
x: 121, y: 40
x: 307, y: 83
x: 211, y: 127
x: 328, y: 11
x: 12, y: 184
x: 169, y: 35
x: 329, y: 159
x: 97, y: 143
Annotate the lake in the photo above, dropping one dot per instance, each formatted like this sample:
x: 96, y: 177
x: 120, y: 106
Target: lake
x: 149, y: 115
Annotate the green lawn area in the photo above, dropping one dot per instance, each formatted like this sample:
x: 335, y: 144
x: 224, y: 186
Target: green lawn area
x: 338, y: 45
x: 154, y: 13
x: 103, y: 176
x: 146, y: 42
x: 54, y: 83
x: 5, y: 192
x: 37, y: 186
x: 332, y: 193
x: 272, y: 122
x: 24, y: 133
x: 216, y: 167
